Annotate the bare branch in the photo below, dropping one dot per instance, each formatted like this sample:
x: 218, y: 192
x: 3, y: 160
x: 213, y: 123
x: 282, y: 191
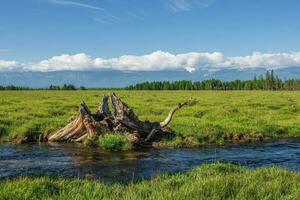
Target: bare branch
x: 173, y: 110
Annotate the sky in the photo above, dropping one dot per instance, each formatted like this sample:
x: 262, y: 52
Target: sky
x: 144, y: 35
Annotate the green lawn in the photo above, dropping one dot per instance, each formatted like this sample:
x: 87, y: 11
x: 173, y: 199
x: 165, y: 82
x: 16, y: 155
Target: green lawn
x: 212, y: 181
x: 217, y: 116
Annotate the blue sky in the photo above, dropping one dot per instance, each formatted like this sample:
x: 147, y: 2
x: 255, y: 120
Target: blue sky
x: 35, y: 30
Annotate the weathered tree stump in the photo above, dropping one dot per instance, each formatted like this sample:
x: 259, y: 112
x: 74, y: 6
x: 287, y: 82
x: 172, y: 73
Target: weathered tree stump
x: 122, y: 121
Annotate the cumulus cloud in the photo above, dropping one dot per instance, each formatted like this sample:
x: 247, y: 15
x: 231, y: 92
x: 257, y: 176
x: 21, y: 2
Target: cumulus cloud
x: 271, y: 61
x: 79, y: 61
x: 8, y: 65
x: 159, y: 60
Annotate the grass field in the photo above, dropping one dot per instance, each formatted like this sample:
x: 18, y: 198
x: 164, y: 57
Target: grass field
x: 212, y: 181
x: 217, y: 116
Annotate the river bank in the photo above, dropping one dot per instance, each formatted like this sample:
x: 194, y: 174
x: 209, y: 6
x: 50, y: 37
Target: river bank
x: 218, y: 117
x: 211, y: 181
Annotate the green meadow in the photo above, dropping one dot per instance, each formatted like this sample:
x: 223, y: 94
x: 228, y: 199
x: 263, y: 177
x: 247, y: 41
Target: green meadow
x: 216, y: 118
x: 211, y: 181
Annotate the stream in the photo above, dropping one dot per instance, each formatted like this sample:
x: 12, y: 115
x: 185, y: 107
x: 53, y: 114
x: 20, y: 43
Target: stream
x: 74, y: 161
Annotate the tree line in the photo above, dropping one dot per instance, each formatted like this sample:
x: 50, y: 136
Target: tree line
x: 13, y: 87
x: 66, y: 87
x: 269, y: 81
x: 51, y: 87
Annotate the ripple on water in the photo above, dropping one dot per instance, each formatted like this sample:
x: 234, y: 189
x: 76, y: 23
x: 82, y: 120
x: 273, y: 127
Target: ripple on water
x: 72, y: 161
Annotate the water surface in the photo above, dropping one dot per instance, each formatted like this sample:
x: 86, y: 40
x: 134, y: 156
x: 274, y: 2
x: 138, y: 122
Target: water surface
x: 70, y: 160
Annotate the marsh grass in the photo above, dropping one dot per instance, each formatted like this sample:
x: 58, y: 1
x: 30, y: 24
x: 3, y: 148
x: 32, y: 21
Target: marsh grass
x: 209, y: 181
x: 214, y: 119
x: 115, y: 142
x: 109, y: 141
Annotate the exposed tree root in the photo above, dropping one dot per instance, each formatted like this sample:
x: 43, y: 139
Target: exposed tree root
x: 122, y: 121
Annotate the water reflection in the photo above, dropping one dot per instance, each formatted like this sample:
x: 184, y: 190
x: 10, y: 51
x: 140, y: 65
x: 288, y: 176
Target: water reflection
x: 71, y: 160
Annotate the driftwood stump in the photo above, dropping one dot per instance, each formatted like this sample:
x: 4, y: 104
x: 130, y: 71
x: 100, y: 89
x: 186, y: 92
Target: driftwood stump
x: 122, y: 121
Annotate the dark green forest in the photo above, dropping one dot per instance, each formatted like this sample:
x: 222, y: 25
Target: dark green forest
x: 269, y: 81
x: 51, y: 87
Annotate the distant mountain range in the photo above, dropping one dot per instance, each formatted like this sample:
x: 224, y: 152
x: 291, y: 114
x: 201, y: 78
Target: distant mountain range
x: 111, y: 79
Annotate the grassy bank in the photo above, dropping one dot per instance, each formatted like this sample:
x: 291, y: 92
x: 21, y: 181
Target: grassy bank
x: 217, y: 117
x: 212, y: 181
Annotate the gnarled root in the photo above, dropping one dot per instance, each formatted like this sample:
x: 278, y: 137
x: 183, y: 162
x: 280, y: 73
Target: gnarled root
x: 122, y: 121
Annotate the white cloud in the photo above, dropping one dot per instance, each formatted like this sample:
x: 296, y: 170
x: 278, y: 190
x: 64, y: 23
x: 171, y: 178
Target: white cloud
x: 64, y: 62
x: 107, y: 19
x: 186, y: 5
x: 8, y: 65
x: 159, y: 60
x: 75, y: 4
x: 269, y: 61
x: 179, y: 5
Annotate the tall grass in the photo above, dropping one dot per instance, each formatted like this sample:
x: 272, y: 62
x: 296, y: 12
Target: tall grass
x: 109, y: 141
x: 212, y: 181
x: 217, y: 117
x: 114, y: 142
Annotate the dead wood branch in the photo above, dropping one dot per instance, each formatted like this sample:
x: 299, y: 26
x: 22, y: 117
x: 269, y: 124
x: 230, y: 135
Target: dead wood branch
x: 123, y: 121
